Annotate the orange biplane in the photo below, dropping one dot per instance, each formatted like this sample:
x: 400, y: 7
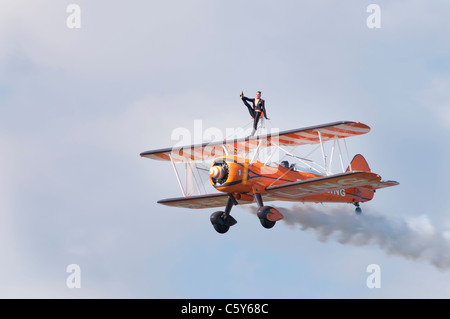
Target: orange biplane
x: 242, y: 178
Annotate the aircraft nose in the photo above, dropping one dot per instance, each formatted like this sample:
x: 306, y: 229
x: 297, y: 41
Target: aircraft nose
x: 217, y: 172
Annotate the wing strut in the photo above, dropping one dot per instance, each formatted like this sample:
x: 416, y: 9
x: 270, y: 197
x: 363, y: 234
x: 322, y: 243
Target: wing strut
x: 340, y: 154
x: 195, y: 178
x: 323, y: 153
x: 348, y: 157
x: 276, y: 147
x: 178, y: 177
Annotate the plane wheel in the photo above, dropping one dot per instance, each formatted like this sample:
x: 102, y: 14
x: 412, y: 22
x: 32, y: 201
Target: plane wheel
x: 262, y: 215
x: 221, y: 229
x: 218, y: 222
x: 221, y: 222
x: 358, y: 210
x: 267, y: 223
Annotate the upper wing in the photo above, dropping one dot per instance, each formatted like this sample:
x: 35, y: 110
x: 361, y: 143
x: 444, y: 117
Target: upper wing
x: 309, y: 135
x: 297, y: 190
x: 301, y: 136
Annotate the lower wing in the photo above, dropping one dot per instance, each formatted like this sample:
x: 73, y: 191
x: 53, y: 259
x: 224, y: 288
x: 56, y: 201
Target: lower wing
x: 289, y: 191
x: 313, y: 186
x: 198, y: 201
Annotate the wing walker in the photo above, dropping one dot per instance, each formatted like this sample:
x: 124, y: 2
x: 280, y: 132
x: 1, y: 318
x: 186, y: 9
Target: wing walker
x: 241, y: 177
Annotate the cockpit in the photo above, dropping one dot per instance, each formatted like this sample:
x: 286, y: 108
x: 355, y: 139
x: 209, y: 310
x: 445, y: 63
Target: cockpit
x: 286, y: 164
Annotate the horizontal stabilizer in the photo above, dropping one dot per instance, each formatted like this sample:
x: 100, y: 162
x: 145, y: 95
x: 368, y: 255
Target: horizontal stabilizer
x: 382, y: 184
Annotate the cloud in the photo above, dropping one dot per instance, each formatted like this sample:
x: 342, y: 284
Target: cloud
x: 8, y: 185
x: 137, y: 39
x: 436, y: 97
x: 81, y: 104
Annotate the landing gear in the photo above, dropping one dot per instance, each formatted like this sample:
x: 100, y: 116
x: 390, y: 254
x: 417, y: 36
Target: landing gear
x: 267, y: 215
x: 222, y: 221
x: 358, y: 209
x: 262, y: 215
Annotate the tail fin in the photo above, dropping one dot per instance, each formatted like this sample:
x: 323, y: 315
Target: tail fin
x: 358, y: 163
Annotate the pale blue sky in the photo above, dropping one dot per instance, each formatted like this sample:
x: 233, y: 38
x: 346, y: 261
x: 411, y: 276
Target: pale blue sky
x: 77, y: 106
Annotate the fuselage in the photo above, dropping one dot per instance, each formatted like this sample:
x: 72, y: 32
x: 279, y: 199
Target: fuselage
x: 238, y: 176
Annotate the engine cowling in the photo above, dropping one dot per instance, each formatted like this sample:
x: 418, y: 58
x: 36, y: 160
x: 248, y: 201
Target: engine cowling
x: 229, y: 174
x: 218, y: 173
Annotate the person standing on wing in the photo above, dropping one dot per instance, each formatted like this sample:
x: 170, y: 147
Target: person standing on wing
x: 258, y: 109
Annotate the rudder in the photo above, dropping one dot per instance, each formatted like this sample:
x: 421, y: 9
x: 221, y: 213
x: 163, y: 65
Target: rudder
x: 359, y: 163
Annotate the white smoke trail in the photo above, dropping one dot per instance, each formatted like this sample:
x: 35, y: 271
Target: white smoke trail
x: 413, y: 238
